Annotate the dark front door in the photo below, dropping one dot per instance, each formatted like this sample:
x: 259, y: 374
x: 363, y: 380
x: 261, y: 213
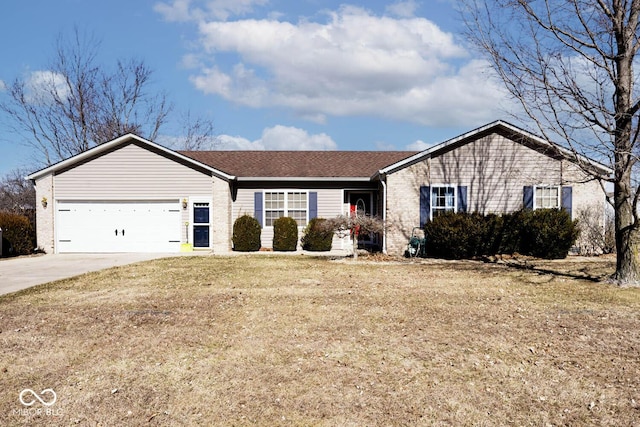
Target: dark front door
x: 201, y: 223
x: 361, y: 204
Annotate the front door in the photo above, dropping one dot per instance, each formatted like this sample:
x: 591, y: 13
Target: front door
x: 361, y: 204
x: 201, y: 224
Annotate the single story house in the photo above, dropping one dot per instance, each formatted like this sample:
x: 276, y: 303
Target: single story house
x: 133, y: 195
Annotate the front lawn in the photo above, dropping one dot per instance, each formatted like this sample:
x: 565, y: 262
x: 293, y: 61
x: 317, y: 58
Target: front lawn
x: 293, y: 340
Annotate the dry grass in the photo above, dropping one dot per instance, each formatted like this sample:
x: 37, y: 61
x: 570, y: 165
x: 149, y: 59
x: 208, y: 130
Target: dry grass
x: 301, y: 341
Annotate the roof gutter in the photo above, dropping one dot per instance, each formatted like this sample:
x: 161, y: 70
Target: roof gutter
x: 303, y: 178
x: 383, y: 181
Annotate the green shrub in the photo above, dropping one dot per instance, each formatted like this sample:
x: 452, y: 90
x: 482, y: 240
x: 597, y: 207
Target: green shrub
x: 316, y: 236
x: 511, y: 234
x: 491, y: 237
x: 16, y: 234
x: 549, y: 233
x: 454, y: 235
x: 544, y: 233
x: 246, y: 234
x: 285, y: 234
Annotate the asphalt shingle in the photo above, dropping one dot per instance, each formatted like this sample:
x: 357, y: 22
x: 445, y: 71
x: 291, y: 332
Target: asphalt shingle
x: 299, y: 164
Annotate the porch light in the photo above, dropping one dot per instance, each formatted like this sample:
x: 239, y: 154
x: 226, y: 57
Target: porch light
x: 44, y: 202
x: 184, y: 203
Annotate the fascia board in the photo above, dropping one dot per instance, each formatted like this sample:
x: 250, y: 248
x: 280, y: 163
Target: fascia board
x: 302, y: 178
x: 114, y: 143
x: 498, y: 123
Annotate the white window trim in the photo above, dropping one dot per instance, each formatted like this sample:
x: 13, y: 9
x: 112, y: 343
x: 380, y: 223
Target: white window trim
x: 286, y: 204
x: 192, y: 224
x: 431, y: 198
x: 535, y: 198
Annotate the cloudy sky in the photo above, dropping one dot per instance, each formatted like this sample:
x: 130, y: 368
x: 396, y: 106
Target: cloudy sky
x: 277, y: 74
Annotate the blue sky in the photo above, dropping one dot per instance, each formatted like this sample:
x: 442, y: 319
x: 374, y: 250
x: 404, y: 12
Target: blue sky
x: 276, y: 74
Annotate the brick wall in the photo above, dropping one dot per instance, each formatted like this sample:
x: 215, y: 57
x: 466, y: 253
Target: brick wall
x: 221, y: 216
x: 45, y: 234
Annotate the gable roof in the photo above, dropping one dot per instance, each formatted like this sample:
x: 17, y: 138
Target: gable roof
x: 124, y: 140
x: 304, y: 165
x: 514, y: 133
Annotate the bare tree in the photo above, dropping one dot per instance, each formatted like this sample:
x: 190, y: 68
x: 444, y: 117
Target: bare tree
x: 17, y: 195
x: 569, y: 64
x: 77, y: 104
x: 354, y: 225
x: 198, y: 133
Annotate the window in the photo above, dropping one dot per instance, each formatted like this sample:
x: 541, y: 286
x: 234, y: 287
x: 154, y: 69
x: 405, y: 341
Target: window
x: 443, y: 199
x: 292, y: 203
x: 201, y: 225
x: 546, y: 197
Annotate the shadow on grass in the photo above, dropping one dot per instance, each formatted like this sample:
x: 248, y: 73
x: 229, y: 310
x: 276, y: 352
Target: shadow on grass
x: 560, y: 268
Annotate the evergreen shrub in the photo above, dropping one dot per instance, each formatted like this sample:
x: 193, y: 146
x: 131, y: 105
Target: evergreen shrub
x: 549, y: 233
x: 454, y: 235
x: 285, y: 234
x: 543, y: 233
x: 317, y: 237
x: 246, y: 234
x: 17, y: 234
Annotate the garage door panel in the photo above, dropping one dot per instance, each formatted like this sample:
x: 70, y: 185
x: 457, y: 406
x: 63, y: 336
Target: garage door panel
x: 118, y: 226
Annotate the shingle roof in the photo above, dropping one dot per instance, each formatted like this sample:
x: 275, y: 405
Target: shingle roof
x: 299, y: 164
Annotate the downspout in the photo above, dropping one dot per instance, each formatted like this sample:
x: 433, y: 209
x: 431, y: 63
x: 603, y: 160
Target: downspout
x: 383, y: 180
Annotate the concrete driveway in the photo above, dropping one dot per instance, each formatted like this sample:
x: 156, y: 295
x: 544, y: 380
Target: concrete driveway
x: 24, y: 272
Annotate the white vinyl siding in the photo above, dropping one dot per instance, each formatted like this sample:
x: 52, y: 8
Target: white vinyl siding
x: 131, y: 173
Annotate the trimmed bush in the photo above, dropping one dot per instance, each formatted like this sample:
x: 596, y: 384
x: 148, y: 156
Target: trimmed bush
x: 454, y: 235
x: 549, y: 233
x: 246, y: 234
x: 16, y: 234
x: 544, y: 233
x: 317, y: 237
x: 285, y: 234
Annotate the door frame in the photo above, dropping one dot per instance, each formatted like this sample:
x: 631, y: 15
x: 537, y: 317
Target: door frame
x: 191, y: 233
x: 352, y: 197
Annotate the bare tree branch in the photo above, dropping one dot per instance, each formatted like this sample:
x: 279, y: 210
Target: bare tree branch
x: 570, y: 65
x: 77, y: 104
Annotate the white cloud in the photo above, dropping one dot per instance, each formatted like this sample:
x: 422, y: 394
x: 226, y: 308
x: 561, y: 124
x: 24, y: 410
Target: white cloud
x: 352, y: 64
x: 178, y: 11
x: 279, y: 138
x: 418, y: 146
x: 3, y: 86
x: 194, y: 10
x: 403, y: 9
x: 42, y: 86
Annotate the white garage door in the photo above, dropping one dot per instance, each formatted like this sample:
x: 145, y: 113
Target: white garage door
x: 118, y: 226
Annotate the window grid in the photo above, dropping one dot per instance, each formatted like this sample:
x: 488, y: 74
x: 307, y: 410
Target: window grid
x: 547, y: 197
x: 442, y: 200
x: 279, y: 204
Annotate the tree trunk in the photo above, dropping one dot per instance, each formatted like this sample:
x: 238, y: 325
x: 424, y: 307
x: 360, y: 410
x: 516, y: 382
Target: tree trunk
x: 355, y: 243
x: 627, y: 265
